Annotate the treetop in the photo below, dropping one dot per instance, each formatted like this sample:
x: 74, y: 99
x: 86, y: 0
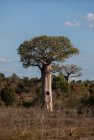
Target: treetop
x: 44, y: 50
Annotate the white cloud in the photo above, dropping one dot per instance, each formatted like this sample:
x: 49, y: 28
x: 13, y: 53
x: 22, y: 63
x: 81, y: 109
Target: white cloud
x: 72, y: 24
x: 90, y: 16
x: 4, y: 60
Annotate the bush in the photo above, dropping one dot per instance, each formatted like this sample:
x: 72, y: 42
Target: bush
x: 91, y: 89
x: 8, y: 96
x: 59, y: 83
x: 89, y: 101
x: 86, y: 105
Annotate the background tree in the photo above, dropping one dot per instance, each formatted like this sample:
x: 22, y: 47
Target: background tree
x: 41, y: 52
x: 70, y: 71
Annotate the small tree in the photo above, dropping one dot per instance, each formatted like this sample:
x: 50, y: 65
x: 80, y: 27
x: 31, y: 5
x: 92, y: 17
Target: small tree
x: 70, y: 71
x: 59, y: 83
x: 41, y: 52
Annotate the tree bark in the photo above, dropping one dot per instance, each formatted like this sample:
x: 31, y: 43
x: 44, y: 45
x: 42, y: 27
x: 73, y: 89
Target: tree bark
x: 47, y: 88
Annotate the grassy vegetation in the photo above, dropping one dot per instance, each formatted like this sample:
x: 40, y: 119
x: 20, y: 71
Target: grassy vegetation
x: 36, y: 124
x: 23, y: 118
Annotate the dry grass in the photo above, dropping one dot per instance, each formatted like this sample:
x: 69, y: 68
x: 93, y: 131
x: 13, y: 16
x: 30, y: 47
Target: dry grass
x: 35, y: 124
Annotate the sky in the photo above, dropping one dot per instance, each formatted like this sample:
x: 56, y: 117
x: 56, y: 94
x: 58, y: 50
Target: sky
x: 22, y: 20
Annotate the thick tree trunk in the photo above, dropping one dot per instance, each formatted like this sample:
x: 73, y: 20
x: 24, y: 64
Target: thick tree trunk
x: 47, y: 88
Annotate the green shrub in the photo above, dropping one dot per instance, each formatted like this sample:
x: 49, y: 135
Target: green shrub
x: 86, y: 105
x: 8, y: 96
x: 89, y: 101
x: 91, y: 89
x: 59, y: 83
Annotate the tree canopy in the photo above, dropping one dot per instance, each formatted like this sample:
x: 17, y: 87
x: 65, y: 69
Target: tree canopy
x: 44, y: 49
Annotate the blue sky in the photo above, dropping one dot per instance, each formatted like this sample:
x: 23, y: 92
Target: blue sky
x: 24, y: 19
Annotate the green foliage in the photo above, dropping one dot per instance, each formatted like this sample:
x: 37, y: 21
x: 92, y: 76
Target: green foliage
x: 45, y: 49
x: 8, y: 96
x: 24, y: 86
x: 2, y: 76
x: 88, y: 101
x: 59, y: 83
x: 42, y: 51
x: 91, y: 89
x: 19, y: 88
x: 79, y: 89
x: 2, y: 80
x: 86, y: 105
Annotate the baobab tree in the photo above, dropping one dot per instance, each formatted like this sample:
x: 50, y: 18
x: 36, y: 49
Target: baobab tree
x: 42, y: 51
x: 70, y: 71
